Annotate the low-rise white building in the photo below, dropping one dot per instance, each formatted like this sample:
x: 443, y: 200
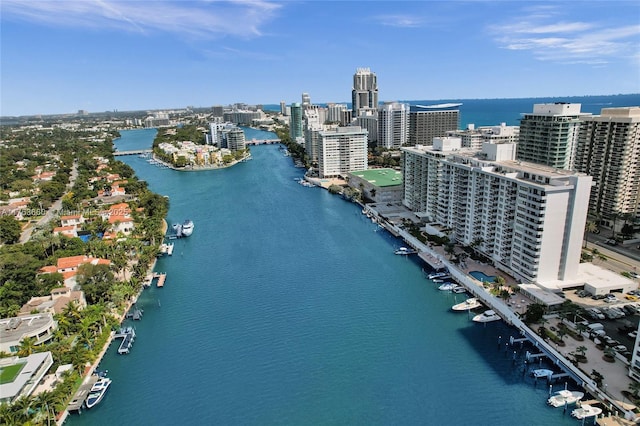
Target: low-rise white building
x: 32, y: 369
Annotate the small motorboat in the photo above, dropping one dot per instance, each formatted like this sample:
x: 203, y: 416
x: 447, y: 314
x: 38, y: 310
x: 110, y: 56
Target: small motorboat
x: 487, y: 316
x: 471, y: 303
x: 447, y: 287
x: 585, y: 410
x: 564, y: 397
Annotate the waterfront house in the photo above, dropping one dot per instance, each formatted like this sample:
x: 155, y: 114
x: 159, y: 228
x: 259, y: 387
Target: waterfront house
x: 54, y: 303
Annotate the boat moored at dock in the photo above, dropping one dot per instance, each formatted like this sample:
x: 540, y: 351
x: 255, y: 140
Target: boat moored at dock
x: 470, y: 303
x: 97, y: 392
x: 403, y: 251
x: 564, y: 397
x: 487, y: 316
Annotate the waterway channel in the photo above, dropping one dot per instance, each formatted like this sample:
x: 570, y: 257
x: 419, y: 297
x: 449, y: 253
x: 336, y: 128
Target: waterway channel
x: 287, y: 306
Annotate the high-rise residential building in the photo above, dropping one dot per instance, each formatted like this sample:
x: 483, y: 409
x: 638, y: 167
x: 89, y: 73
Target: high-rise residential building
x: 527, y: 218
x: 428, y: 123
x: 342, y: 150
x: 365, y: 91
x: 369, y: 122
x: 217, y: 110
x: 236, y: 139
x: 283, y: 108
x: 306, y: 101
x: 393, y: 125
x: 608, y: 149
x: 334, y: 112
x: 295, y: 122
x: 473, y: 137
x: 549, y: 135
x: 346, y: 117
x: 312, y: 125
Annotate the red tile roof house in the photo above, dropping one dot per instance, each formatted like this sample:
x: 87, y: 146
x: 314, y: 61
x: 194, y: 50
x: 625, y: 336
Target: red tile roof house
x: 68, y: 267
x: 44, y: 176
x: 119, y: 216
x: 70, y: 231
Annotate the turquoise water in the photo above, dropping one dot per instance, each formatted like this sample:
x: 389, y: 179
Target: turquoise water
x: 287, y: 307
x: 481, y: 276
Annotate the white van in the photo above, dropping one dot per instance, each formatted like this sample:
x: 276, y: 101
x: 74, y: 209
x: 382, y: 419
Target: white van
x: 595, y: 326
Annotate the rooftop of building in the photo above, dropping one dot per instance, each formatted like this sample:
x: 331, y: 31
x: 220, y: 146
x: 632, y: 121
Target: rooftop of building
x: 380, y: 177
x: 30, y: 366
x: 12, y: 329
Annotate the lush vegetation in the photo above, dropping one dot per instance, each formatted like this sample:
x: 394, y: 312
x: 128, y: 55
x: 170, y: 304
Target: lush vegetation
x: 81, y: 334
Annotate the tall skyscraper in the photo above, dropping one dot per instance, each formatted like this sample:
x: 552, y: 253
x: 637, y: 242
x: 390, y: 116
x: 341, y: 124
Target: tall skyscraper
x: 342, y: 150
x: 608, y: 149
x: 393, y: 125
x: 549, y: 135
x: 426, y: 124
x: 283, y: 108
x: 528, y: 218
x: 306, y: 101
x: 365, y: 91
x: 295, y: 122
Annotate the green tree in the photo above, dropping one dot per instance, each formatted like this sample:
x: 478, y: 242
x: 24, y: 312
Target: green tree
x: 10, y: 229
x: 589, y: 228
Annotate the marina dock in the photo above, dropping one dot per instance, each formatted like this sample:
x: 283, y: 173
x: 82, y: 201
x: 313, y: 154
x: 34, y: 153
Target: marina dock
x: 161, y: 278
x: 127, y: 335
x: 77, y: 402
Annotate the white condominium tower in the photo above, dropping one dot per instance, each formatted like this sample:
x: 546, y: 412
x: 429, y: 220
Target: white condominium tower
x: 473, y: 137
x: 334, y: 112
x: 528, y: 218
x: 609, y: 150
x: 342, y: 150
x: 549, y: 134
x: 365, y: 91
x: 393, y: 125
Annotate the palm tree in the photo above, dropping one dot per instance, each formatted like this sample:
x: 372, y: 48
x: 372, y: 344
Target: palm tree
x: 634, y: 387
x: 614, y: 216
x: 589, y: 228
x: 27, y: 346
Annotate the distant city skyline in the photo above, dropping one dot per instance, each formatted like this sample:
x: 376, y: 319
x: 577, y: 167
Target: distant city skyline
x: 64, y: 56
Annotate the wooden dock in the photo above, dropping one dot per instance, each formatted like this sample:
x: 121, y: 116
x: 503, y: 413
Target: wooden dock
x: 161, y: 278
x: 77, y: 402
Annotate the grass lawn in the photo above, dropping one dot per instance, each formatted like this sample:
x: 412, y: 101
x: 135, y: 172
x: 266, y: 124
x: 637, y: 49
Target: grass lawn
x: 8, y: 374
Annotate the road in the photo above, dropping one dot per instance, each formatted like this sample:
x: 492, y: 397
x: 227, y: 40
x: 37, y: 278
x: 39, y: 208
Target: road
x: 53, y: 210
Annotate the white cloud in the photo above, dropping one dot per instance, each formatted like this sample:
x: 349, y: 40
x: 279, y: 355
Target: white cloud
x: 401, y: 21
x: 193, y: 18
x: 567, y: 42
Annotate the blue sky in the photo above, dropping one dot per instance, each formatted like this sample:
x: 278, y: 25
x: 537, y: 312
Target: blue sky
x: 59, y: 56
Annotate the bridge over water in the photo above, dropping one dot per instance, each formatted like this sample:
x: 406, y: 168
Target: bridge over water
x: 262, y: 141
x: 132, y: 152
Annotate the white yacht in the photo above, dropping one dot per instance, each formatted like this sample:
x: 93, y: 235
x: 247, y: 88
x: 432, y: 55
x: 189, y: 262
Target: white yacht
x: 564, y: 397
x: 187, y: 228
x: 585, y: 410
x: 403, y: 251
x: 447, y: 286
x: 487, y: 316
x: 97, y: 392
x: 437, y: 275
x: 470, y: 303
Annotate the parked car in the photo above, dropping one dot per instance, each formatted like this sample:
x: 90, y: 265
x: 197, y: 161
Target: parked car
x: 582, y: 293
x: 620, y: 348
x: 634, y: 274
x: 633, y: 334
x: 630, y: 309
x: 611, y: 242
x: 631, y: 297
x: 597, y: 296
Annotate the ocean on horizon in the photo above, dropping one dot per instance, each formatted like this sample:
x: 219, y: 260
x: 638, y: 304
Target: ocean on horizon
x: 491, y: 112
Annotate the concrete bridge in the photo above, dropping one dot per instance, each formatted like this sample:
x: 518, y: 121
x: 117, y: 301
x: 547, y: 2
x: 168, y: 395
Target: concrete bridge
x: 132, y: 152
x: 262, y: 141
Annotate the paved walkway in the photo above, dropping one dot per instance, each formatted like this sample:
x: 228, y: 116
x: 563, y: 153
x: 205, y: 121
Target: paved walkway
x: 615, y: 375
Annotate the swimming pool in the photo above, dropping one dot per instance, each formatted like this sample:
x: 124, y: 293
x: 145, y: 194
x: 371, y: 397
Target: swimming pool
x: 481, y: 276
